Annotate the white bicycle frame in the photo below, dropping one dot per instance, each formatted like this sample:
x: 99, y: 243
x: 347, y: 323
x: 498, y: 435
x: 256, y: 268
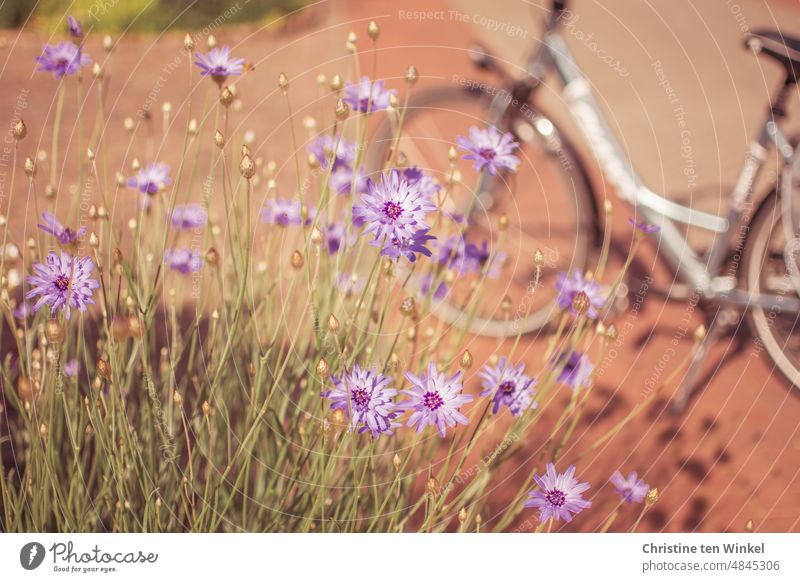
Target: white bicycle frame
x: 703, y: 275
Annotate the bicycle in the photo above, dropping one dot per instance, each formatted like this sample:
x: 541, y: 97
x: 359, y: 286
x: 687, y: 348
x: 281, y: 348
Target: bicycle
x: 565, y: 228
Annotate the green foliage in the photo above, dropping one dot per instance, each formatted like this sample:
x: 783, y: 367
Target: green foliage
x: 143, y: 15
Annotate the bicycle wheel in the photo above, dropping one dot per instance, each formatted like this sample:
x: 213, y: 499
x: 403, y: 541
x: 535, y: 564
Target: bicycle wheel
x: 765, y: 271
x: 547, y: 204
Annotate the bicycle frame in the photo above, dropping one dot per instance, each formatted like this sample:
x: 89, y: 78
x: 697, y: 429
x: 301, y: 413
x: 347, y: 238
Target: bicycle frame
x: 704, y: 275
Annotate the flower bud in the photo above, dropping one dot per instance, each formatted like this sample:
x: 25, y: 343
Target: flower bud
x: 30, y: 167
x: 652, y: 496
x: 104, y: 369
x: 408, y: 307
x: 466, y: 360
x: 212, y: 257
x: 333, y: 324
x: 432, y: 486
x: 373, y: 30
x: 283, y: 82
x: 341, y: 110
x: 580, y: 303
x: 219, y: 139
x: 54, y: 332
x: 700, y: 333
x: 323, y: 371
x: 247, y: 167
x: 297, y: 260
x: 226, y: 97
x: 20, y: 130
x: 412, y: 76
x: 188, y: 43
x: 336, y: 83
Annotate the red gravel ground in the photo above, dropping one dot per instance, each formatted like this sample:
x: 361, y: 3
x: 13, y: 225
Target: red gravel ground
x: 732, y: 456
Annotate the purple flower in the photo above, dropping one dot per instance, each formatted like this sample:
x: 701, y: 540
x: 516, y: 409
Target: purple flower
x: 218, y: 64
x: 75, y: 28
x: 393, y: 209
x: 435, y: 400
x: 183, y: 260
x: 559, y: 496
x: 151, y: 179
x: 322, y: 149
x: 336, y: 237
x: 189, y: 216
x: 489, y: 149
x: 644, y: 227
x: 367, y: 398
x: 577, y: 370
x: 63, y: 58
x: 407, y: 247
x: 426, y: 283
x: 451, y: 253
x: 284, y: 212
x: 632, y: 489
x: 510, y: 386
x: 569, y: 286
x: 425, y: 183
x: 367, y: 96
x: 72, y: 368
x: 62, y: 282
x: 342, y: 181
x: 477, y: 257
x: 64, y: 235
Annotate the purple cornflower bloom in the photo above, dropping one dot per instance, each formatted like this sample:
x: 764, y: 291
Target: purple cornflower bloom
x: 425, y: 183
x: 490, y: 149
x: 510, y: 386
x: 188, y: 216
x: 569, y: 286
x: 367, y: 96
x: 435, y: 399
x: 451, y: 253
x: 393, y: 209
x: 346, y: 180
x: 75, y: 28
x: 184, y: 261
x: 63, y: 234
x: 337, y: 239
x: 477, y: 258
x: 218, y: 64
x: 367, y: 398
x: 559, y: 496
x: 62, y: 282
x: 426, y: 283
x: 72, y: 368
x: 407, y: 247
x: 284, y: 212
x: 631, y: 489
x: 322, y: 149
x: 151, y: 179
x: 63, y: 58
x: 644, y: 227
x: 577, y: 370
